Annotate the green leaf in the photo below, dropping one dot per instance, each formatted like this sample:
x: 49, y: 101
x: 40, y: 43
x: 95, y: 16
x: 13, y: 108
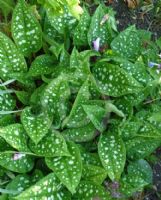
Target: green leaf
x: 94, y: 173
x: 80, y: 33
x: 114, y: 81
x: 35, y: 125
x: 15, y: 135
x: 68, y: 169
x: 7, y: 102
x: 88, y: 190
x: 55, y: 98
x: 112, y: 153
x: 10, y: 60
x: 81, y: 134
x: 101, y: 27
x: 41, y: 65
x: 23, y: 97
x: 16, y: 162
x: 127, y: 43
x: 6, y: 7
x: 77, y: 116
x: 96, y: 114
x: 52, y: 145
x: 48, y: 187
x: 26, y: 30
x: 139, y: 175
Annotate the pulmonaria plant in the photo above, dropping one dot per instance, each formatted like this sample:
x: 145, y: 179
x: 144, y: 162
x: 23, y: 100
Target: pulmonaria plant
x: 73, y: 117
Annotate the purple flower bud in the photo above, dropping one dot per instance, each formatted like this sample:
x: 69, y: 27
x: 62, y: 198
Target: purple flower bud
x: 114, y: 185
x: 152, y: 64
x: 159, y: 55
x: 96, y: 44
x: 18, y: 156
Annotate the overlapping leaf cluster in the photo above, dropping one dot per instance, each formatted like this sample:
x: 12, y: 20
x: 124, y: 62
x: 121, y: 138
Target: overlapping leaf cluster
x: 76, y: 123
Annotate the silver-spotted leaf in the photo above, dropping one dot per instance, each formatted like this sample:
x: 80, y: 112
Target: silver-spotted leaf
x: 127, y: 43
x: 36, y: 126
x: 55, y: 99
x: 114, y: 81
x: 16, y: 136
x: 7, y: 102
x: 81, y: 134
x: 52, y: 145
x: 48, y: 187
x: 68, y: 169
x: 87, y: 190
x: 41, y: 65
x: 16, y: 162
x: 26, y: 30
x: 112, y: 152
x: 11, y: 60
x: 94, y: 173
x: 80, y: 33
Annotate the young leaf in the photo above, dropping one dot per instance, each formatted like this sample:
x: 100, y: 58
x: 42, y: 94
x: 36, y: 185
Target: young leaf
x: 127, y: 43
x: 23, y: 97
x: 15, y: 135
x: 16, y: 162
x: 68, y: 169
x: 100, y: 26
x: 10, y: 58
x: 88, y: 190
x: 112, y: 153
x: 48, y: 187
x: 94, y: 173
x: 52, y: 145
x: 114, y: 81
x: 81, y: 134
x: 80, y: 33
x: 26, y: 30
x: 35, y: 125
x: 41, y: 65
x: 55, y: 99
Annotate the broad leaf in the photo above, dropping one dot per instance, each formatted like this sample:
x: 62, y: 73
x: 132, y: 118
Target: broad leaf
x: 16, y: 136
x: 112, y: 153
x: 16, y: 162
x: 10, y: 58
x: 55, y: 98
x: 81, y: 134
x: 68, y: 169
x: 127, y: 43
x: 114, y: 81
x: 41, y: 65
x: 26, y: 30
x: 80, y: 33
x: 48, y: 187
x: 7, y: 102
x: 94, y: 173
x: 53, y: 144
x: 35, y: 125
x: 88, y: 190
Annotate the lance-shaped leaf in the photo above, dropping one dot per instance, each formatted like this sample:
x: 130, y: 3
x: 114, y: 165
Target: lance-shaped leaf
x: 100, y: 26
x: 94, y: 173
x: 114, y: 81
x: 10, y: 58
x: 139, y: 175
x: 80, y: 33
x: 36, y: 126
x: 48, y: 187
x: 88, y: 190
x: 26, y: 30
x: 16, y: 162
x: 16, y: 136
x: 55, y: 98
x: 77, y: 116
x: 41, y: 65
x: 127, y: 43
x: 68, y: 169
x: 112, y: 153
x: 81, y: 134
x: 96, y: 114
x: 53, y: 144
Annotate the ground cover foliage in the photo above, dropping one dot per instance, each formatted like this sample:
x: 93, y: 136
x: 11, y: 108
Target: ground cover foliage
x: 79, y: 103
